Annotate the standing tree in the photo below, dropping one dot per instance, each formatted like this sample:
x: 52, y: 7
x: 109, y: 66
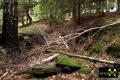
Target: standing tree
x: 78, y: 11
x: 74, y: 11
x: 27, y: 10
x: 10, y: 23
x: 118, y: 3
x: 24, y: 7
x: 98, y: 2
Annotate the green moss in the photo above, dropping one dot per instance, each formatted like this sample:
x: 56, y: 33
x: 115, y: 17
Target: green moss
x: 67, y: 61
x: 85, y: 70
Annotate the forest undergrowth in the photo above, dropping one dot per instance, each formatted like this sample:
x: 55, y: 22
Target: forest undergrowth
x: 91, y: 44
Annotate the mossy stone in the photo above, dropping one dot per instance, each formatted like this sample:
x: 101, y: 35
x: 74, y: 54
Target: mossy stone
x: 67, y: 62
x: 42, y: 69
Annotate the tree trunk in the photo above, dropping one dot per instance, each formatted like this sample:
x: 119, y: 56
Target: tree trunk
x: 99, y: 9
x: 10, y: 23
x: 74, y: 11
x: 118, y: 3
x: 22, y: 18
x: 74, y: 17
x: 98, y: 6
x: 107, y: 8
x: 78, y: 12
x: 29, y: 19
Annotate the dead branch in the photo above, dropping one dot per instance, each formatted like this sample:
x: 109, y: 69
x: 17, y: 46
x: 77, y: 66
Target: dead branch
x: 1, y: 78
x: 49, y: 58
x: 86, y: 57
x: 75, y: 35
x: 91, y: 29
x: 46, y: 60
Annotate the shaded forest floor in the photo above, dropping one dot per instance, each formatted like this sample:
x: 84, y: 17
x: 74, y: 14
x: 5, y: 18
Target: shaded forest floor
x: 32, y: 42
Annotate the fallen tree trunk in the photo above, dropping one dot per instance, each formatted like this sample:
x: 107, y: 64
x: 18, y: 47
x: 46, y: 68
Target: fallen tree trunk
x: 42, y: 68
x: 63, y: 64
x: 87, y: 58
x: 46, y: 69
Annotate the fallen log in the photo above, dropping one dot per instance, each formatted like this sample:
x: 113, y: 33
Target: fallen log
x: 86, y: 57
x: 41, y: 64
x: 63, y: 64
x: 46, y: 69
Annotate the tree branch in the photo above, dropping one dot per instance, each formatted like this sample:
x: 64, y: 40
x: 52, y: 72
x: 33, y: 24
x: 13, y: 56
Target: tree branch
x: 1, y: 78
x: 46, y: 60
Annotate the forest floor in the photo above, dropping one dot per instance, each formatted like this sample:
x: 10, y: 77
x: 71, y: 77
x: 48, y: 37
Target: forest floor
x: 33, y: 43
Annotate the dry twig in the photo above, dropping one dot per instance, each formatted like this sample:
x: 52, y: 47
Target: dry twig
x: 46, y: 60
x: 5, y: 74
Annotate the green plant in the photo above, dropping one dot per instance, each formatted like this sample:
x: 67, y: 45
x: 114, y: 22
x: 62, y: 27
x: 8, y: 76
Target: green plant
x: 97, y: 47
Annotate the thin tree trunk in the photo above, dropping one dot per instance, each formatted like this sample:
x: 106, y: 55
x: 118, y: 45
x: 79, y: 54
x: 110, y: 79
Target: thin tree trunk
x: 118, y: 3
x: 74, y: 16
x: 107, y: 2
x: 99, y: 6
x: 29, y: 19
x: 22, y: 18
x: 78, y: 12
x: 28, y: 16
x: 74, y: 10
